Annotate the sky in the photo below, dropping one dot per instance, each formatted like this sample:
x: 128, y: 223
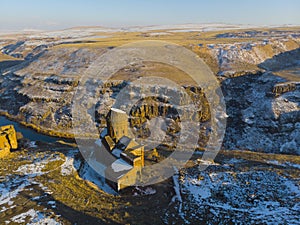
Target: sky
x: 59, y: 14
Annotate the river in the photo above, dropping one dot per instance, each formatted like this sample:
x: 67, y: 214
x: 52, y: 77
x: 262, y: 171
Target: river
x: 28, y: 132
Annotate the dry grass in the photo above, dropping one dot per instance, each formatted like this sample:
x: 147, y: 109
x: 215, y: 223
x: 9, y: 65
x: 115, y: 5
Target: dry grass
x: 79, y: 201
x: 289, y: 75
x: 154, y: 69
x: 190, y: 40
x: 4, y: 57
x: 261, y: 157
x: 181, y: 38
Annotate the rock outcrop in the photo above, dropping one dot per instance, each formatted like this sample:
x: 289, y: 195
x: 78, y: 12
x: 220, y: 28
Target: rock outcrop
x: 8, y: 140
x: 258, y: 120
x: 263, y: 108
x: 240, y: 58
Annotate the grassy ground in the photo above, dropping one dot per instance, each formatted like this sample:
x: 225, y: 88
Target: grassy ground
x: 76, y: 200
x: 290, y: 75
x: 191, y: 40
x: 4, y: 57
x: 81, y: 202
x: 181, y: 38
x: 149, y: 69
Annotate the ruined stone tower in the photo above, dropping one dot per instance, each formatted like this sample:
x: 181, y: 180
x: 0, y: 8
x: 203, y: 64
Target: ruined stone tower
x: 117, y: 124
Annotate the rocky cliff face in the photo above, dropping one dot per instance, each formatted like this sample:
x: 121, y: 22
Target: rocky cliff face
x: 261, y: 116
x: 142, y: 116
x: 39, y: 90
x: 263, y: 109
x: 240, y: 58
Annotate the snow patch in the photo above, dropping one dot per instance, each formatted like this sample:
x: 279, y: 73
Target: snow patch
x: 32, y: 144
x: 89, y: 174
x: 35, y: 218
x: 120, y: 165
x: 67, y: 168
x: 11, y: 189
